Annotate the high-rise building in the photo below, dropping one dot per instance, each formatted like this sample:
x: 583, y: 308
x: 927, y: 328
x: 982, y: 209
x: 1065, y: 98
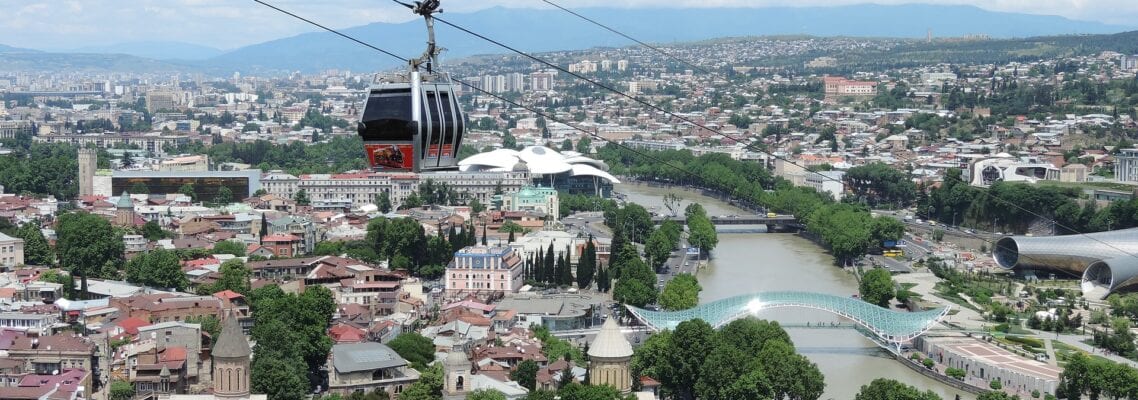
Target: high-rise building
x: 161, y: 100
x: 1129, y: 63
x: 606, y: 65
x: 515, y: 82
x: 622, y: 65
x: 88, y: 162
x: 541, y: 81
x: 1126, y: 165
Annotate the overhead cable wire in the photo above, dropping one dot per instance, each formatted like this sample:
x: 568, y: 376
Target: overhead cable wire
x: 613, y: 30
x: 737, y: 140
x: 529, y: 108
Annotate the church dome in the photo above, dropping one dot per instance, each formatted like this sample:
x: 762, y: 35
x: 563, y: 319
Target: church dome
x: 610, y: 342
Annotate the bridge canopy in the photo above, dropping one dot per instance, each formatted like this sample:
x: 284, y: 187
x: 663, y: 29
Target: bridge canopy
x: 888, y: 326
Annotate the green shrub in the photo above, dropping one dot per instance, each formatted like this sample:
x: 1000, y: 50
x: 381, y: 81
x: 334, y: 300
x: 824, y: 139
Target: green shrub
x: 1028, y: 341
x: 995, y: 384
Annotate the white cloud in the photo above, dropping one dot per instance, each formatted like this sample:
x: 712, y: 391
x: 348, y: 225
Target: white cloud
x: 63, y: 24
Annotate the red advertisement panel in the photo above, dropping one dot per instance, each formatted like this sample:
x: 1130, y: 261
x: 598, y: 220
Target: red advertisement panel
x: 390, y: 156
x: 433, y: 150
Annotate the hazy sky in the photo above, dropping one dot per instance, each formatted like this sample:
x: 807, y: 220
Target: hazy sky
x: 227, y: 24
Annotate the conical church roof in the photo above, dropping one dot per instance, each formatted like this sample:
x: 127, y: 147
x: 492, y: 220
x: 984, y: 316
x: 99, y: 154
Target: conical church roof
x: 610, y: 342
x: 231, y: 342
x: 124, y: 201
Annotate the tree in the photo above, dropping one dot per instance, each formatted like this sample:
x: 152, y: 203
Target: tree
x: 681, y: 293
x: 278, y: 376
x: 428, y: 387
x: 383, y: 203
x: 37, y: 251
x: 995, y: 384
x: 956, y: 373
x: 188, y: 191
x: 658, y: 248
x: 526, y: 374
x: 233, y: 275
x: 87, y: 244
x: 476, y: 206
x: 509, y: 141
x: 791, y: 375
x: 415, y: 348
x: 224, y: 196
x: 485, y: 394
x: 889, y: 389
x: 584, y: 145
x: 152, y: 231
x: 157, y: 268
x: 301, y: 198
x: 998, y: 396
x: 229, y: 247
x: 139, y: 188
x: 876, y: 287
x: 121, y: 390
x: 127, y: 159
x: 566, y: 145
x: 587, y: 264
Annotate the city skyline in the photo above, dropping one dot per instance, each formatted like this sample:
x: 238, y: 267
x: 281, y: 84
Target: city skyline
x: 226, y: 25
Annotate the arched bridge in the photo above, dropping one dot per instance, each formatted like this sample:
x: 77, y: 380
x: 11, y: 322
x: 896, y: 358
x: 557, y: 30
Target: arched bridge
x: 887, y: 327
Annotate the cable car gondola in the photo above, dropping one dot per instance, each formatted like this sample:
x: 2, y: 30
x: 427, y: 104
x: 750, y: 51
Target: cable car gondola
x: 413, y: 122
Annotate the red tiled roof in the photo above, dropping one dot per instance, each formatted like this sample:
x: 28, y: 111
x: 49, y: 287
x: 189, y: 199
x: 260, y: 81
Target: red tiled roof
x: 281, y: 237
x: 131, y: 325
x: 228, y: 295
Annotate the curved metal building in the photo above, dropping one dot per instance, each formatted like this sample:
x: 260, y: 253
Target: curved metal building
x: 1106, y: 261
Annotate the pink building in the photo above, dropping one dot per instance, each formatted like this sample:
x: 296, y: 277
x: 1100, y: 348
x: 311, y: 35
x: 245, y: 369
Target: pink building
x: 484, y: 269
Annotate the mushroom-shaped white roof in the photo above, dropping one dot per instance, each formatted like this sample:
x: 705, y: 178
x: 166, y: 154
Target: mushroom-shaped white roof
x: 502, y: 158
x: 538, y: 160
x: 586, y: 160
x: 543, y: 160
x: 610, y: 342
x: 589, y: 170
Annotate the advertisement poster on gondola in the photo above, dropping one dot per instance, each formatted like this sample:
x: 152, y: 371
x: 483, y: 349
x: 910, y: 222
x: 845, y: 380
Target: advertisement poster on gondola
x: 390, y: 156
x: 433, y: 150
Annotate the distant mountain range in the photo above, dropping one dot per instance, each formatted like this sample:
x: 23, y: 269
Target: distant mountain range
x: 155, y: 50
x: 548, y: 30
x: 9, y: 49
x: 535, y: 30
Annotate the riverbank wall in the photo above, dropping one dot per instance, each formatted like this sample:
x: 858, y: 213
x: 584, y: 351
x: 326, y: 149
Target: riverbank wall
x: 934, y: 375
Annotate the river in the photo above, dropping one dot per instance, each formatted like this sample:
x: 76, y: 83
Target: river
x: 754, y: 262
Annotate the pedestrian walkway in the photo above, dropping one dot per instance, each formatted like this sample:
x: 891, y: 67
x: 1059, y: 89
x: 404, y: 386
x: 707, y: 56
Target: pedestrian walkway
x: 1051, y: 359
x: 965, y: 317
x: 1076, y: 341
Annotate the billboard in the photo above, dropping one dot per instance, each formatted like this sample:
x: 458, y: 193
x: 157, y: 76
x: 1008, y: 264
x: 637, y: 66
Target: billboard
x: 433, y: 150
x: 390, y: 156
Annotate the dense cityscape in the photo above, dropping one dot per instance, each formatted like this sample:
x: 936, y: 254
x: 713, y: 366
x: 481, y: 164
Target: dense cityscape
x: 789, y: 217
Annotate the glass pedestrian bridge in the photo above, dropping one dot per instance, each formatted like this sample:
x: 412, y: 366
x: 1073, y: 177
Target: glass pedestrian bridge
x: 888, y: 328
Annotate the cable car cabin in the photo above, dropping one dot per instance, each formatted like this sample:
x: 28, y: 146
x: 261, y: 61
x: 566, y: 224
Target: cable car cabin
x: 395, y: 140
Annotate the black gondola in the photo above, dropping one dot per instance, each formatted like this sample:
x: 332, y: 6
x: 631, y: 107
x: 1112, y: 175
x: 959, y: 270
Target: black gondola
x: 414, y: 122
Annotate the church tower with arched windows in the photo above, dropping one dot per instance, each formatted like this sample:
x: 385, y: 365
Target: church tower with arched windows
x: 610, y: 358
x: 456, y: 370
x: 231, y: 361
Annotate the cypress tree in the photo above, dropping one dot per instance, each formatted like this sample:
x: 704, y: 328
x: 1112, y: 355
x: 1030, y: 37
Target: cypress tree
x: 483, y: 235
x: 549, y: 264
x: 537, y: 266
x: 511, y: 238
x: 587, y: 264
